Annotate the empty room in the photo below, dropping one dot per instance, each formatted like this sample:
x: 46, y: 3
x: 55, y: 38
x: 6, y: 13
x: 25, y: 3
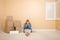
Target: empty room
x: 29, y: 19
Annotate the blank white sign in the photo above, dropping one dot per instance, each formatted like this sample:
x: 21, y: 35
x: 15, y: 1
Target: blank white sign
x: 50, y: 10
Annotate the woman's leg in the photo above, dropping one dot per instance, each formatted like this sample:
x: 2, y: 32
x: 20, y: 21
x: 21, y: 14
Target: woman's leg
x: 29, y: 27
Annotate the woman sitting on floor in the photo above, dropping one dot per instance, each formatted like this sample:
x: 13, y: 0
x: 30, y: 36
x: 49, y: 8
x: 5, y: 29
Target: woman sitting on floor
x: 27, y: 27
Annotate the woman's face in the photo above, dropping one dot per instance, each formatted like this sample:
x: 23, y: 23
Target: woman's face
x: 27, y: 22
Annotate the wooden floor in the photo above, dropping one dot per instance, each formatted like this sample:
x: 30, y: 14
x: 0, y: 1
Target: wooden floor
x: 41, y: 35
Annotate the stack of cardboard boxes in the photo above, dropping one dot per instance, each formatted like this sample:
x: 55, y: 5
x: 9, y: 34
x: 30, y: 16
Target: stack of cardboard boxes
x: 12, y: 25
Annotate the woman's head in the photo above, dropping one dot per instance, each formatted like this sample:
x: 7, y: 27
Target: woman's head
x: 27, y: 21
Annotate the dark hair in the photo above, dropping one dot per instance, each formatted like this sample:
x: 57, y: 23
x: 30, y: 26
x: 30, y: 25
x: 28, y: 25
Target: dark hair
x: 27, y: 21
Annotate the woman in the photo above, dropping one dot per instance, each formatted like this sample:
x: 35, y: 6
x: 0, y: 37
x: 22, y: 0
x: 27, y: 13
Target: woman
x: 28, y: 26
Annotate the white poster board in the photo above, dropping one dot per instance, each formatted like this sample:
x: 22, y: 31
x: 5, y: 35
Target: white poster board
x: 50, y: 10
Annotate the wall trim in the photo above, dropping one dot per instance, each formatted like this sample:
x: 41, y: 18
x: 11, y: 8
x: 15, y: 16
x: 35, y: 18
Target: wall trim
x: 44, y: 29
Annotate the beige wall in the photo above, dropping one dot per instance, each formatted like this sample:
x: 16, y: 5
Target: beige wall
x: 1, y: 14
x: 58, y: 24
x: 52, y: 0
x: 34, y: 10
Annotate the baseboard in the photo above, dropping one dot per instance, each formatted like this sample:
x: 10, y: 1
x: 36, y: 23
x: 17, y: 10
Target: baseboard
x: 44, y: 29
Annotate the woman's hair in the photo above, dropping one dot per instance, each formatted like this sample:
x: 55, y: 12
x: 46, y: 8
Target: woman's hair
x: 27, y: 21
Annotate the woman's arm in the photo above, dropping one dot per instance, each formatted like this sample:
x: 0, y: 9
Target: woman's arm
x: 31, y: 27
